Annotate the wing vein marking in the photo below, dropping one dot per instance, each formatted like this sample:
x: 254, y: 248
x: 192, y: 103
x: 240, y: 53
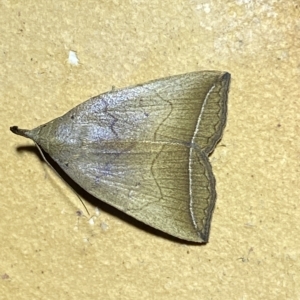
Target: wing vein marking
x: 190, y: 156
x: 168, y: 115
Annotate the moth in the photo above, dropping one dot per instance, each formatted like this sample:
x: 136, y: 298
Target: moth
x: 144, y: 149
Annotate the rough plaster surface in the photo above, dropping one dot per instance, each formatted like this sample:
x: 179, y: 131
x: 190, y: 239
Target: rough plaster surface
x: 51, y: 251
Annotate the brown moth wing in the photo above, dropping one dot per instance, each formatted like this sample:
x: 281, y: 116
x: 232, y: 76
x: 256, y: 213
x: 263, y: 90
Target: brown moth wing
x: 144, y: 149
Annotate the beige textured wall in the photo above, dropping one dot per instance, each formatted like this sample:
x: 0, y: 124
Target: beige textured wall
x: 49, y: 252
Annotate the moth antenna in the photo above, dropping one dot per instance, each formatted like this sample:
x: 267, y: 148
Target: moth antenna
x: 46, y: 161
